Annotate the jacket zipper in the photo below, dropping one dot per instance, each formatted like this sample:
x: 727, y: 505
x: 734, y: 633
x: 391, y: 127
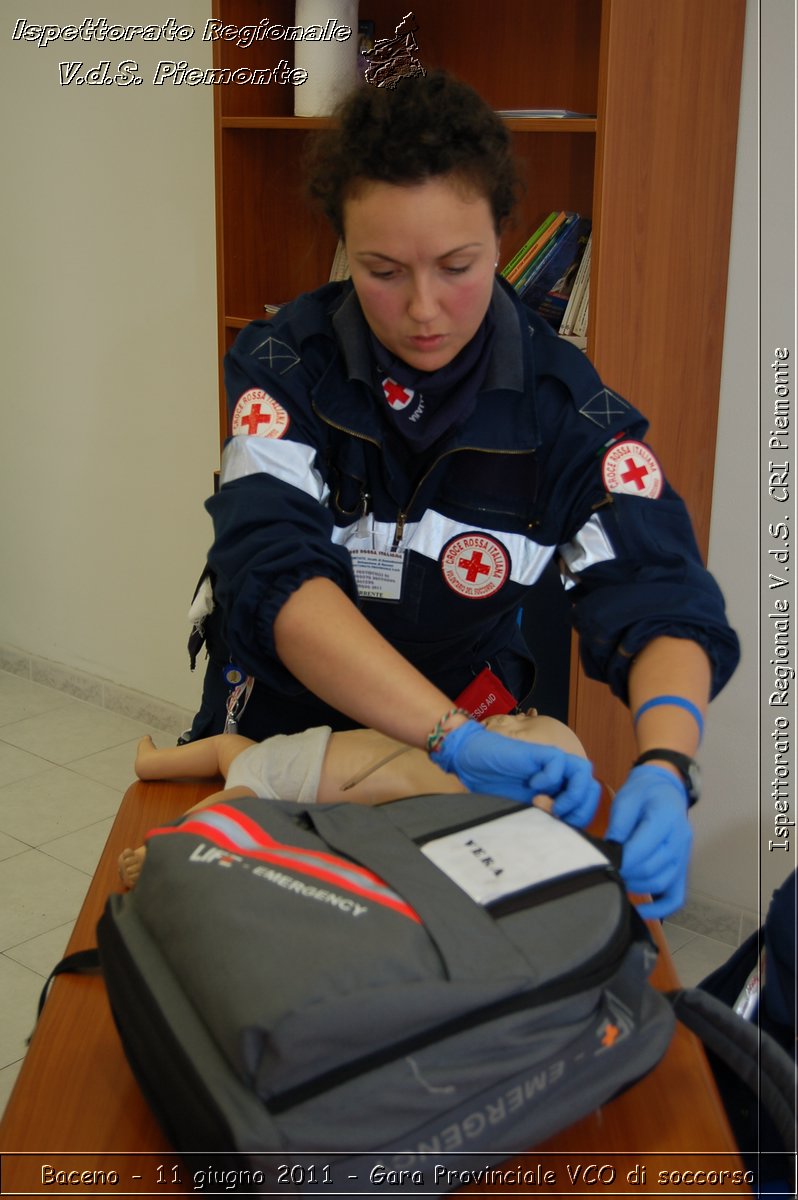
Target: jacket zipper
x: 401, y: 516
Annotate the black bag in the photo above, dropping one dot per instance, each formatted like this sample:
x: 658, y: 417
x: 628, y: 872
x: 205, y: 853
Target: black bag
x: 763, y: 970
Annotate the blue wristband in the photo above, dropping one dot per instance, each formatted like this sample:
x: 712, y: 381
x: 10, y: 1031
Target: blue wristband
x: 677, y: 702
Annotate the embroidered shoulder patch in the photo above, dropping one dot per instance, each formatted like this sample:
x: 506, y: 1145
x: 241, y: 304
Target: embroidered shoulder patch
x: 602, y: 408
x: 279, y: 355
x: 632, y: 468
x: 257, y: 414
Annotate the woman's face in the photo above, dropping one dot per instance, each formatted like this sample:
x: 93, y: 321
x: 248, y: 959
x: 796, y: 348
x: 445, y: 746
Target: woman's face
x: 423, y: 259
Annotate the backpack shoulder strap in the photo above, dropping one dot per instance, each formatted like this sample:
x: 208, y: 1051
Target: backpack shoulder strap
x: 751, y: 1053
x: 80, y: 962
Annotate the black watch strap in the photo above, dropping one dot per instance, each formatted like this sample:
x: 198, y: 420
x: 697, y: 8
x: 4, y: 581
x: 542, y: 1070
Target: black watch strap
x: 687, y: 767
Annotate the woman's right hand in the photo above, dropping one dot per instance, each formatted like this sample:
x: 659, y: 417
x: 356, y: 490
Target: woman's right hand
x: 503, y: 766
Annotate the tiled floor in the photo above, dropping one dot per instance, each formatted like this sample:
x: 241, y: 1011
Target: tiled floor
x: 64, y: 766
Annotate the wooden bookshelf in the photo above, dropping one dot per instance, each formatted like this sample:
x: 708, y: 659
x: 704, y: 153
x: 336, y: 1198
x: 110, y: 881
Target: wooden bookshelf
x: 654, y: 169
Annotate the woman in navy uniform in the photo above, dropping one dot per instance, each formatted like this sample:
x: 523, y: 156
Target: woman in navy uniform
x: 409, y: 450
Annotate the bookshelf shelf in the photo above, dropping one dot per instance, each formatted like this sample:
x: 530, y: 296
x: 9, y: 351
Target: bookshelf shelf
x: 561, y: 125
x: 297, y: 124
x: 663, y: 78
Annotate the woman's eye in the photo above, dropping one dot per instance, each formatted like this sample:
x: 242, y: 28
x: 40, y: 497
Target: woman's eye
x: 394, y: 274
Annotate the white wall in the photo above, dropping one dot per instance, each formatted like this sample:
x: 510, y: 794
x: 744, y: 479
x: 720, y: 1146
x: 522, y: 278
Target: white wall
x: 732, y: 861
x: 108, y: 350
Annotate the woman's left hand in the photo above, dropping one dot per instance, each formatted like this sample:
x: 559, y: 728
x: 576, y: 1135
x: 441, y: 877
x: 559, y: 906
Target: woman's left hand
x: 649, y: 818
x: 504, y: 766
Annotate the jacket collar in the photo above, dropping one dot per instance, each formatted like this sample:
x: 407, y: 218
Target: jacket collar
x: 505, y: 416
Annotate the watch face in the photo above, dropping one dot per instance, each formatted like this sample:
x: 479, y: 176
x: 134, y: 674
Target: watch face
x: 694, y: 780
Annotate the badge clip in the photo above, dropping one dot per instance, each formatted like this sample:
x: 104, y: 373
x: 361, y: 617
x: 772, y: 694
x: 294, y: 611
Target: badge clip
x: 238, y: 698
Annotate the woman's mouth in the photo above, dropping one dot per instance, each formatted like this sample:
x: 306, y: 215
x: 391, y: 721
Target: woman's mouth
x: 427, y: 341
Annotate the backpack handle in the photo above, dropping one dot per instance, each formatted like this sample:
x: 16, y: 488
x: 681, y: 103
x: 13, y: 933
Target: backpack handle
x: 471, y: 943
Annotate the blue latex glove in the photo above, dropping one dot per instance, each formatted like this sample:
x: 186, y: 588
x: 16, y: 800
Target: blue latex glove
x: 503, y: 766
x: 649, y: 817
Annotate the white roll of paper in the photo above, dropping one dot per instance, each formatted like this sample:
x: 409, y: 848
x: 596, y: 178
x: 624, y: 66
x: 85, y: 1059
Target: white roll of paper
x: 327, y: 55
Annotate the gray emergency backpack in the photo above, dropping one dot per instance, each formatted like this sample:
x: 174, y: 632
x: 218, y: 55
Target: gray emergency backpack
x: 329, y: 991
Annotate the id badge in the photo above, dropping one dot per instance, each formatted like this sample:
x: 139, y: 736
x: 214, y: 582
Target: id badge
x: 379, y: 574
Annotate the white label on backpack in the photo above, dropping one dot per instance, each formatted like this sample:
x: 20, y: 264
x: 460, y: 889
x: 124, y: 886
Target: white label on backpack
x: 512, y: 853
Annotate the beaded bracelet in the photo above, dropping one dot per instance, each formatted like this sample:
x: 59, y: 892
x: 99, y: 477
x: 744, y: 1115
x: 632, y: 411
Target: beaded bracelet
x: 439, y: 732
x: 677, y: 702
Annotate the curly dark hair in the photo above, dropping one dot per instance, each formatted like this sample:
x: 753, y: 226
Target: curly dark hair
x: 427, y: 126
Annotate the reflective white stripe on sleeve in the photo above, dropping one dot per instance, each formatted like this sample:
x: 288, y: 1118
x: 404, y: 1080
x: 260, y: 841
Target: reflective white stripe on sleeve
x: 291, y: 462
x: 590, y: 546
x: 428, y: 536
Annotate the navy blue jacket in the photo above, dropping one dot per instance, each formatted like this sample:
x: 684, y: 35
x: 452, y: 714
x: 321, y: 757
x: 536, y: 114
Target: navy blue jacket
x: 314, y: 471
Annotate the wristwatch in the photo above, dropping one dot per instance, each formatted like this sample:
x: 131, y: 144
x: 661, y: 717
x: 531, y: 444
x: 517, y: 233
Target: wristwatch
x: 687, y: 767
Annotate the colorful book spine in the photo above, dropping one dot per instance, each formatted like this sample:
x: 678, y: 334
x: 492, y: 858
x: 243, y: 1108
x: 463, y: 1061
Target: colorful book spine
x: 520, y: 267
x: 552, y: 263
x: 519, y: 254
x: 551, y: 289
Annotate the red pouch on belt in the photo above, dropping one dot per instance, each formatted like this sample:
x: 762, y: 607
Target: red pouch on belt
x: 486, y: 696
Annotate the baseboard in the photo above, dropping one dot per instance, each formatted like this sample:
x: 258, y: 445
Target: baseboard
x: 93, y: 689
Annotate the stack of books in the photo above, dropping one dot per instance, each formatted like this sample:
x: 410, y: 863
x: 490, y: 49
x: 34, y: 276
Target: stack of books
x: 551, y: 272
x: 340, y: 264
x: 574, y: 320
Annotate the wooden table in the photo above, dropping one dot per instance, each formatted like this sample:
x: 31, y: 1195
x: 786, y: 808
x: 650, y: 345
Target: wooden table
x: 77, y: 1107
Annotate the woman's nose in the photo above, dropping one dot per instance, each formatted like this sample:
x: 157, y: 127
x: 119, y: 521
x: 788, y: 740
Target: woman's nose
x: 422, y: 306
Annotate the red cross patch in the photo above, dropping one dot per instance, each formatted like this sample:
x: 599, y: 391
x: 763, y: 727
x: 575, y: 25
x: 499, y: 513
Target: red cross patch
x: 631, y: 467
x: 257, y: 414
x: 475, y: 565
x: 398, y: 397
